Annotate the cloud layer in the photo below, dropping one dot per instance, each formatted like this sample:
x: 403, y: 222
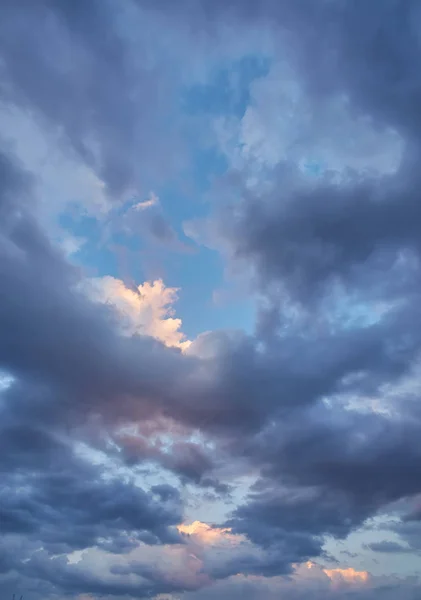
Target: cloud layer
x: 117, y: 428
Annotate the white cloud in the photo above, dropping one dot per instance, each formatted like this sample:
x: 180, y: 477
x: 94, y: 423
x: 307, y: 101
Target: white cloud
x: 153, y: 200
x: 283, y: 123
x: 202, y: 533
x: 145, y: 309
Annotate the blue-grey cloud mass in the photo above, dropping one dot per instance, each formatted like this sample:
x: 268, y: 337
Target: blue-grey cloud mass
x: 110, y: 442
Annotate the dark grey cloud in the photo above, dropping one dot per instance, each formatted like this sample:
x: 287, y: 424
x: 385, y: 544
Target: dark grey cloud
x: 308, y: 238
x: 288, y: 548
x: 59, y: 575
x: 50, y: 496
x: 379, y: 75
x: 290, y: 524
x: 56, y: 512
x: 360, y: 235
x: 72, y: 506
x: 324, y: 473
x: 81, y: 74
x: 327, y: 471
x: 389, y: 547
x: 408, y: 528
x: 190, y: 461
x: 324, y: 470
x: 350, y: 233
x: 254, y: 589
x: 371, y: 456
x: 71, y: 364
x: 62, y: 343
x: 160, y: 581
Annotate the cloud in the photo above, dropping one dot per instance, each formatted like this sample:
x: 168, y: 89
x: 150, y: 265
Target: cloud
x: 70, y: 505
x: 311, y: 581
x: 315, y: 244
x: 350, y: 575
x: 145, y: 310
x: 215, y: 389
x: 153, y: 201
x: 100, y: 91
x: 334, y: 262
x: 151, y: 222
x: 81, y: 508
x: 283, y: 122
x: 206, y: 534
x: 389, y: 547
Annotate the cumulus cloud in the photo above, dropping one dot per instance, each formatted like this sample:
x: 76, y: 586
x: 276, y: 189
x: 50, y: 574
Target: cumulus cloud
x: 145, y: 310
x: 348, y: 576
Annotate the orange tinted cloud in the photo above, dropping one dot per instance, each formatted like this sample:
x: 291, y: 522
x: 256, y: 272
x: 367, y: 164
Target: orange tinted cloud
x: 207, y: 535
x: 146, y: 309
x: 349, y: 576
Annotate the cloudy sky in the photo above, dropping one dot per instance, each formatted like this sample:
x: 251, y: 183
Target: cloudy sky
x: 210, y: 299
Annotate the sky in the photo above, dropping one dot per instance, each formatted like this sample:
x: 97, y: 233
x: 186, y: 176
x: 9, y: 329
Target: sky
x: 210, y: 252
